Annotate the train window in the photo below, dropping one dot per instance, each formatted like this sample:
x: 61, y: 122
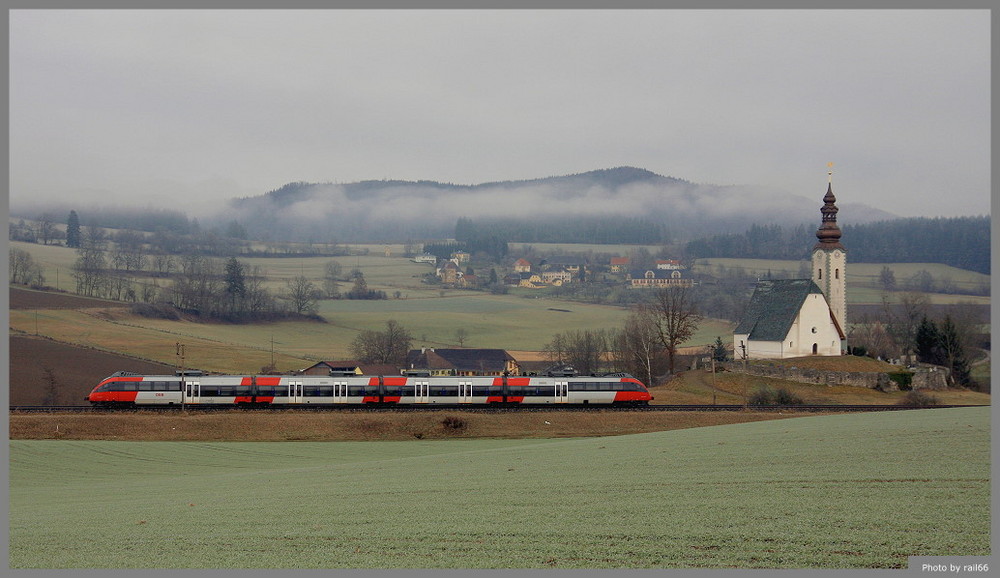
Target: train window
x: 174, y: 386
x: 481, y: 390
x: 144, y: 386
x: 227, y: 390
x: 126, y: 386
x: 357, y: 390
x: 242, y: 390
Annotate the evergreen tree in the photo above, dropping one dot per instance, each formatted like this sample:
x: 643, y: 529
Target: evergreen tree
x: 928, y: 342
x: 953, y: 352
x: 73, y: 230
x: 719, y: 352
x: 236, y: 287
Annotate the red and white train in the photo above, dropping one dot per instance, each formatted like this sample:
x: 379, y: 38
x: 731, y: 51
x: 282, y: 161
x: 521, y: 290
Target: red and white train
x: 124, y: 389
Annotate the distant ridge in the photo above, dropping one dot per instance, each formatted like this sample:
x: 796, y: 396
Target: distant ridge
x: 624, y: 196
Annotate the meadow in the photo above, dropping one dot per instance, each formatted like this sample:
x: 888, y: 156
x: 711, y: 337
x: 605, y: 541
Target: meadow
x: 492, y: 321
x: 835, y: 491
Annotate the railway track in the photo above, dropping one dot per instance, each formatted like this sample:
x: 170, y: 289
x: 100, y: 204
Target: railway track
x: 478, y: 409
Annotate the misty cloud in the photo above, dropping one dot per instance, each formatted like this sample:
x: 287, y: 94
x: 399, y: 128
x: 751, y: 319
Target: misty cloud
x: 394, y: 211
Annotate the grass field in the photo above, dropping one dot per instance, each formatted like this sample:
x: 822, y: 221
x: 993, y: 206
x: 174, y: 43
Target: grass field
x: 492, y: 321
x: 862, y: 278
x: 840, y: 491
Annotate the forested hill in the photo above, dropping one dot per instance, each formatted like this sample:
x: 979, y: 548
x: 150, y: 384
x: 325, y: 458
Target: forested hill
x: 962, y: 242
x: 653, y: 208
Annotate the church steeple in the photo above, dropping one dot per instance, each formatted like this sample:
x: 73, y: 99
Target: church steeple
x: 828, y: 232
x: 829, y: 259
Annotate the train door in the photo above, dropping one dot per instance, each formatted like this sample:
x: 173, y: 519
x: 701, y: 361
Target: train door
x: 295, y: 392
x: 340, y: 391
x: 465, y: 391
x: 562, y: 391
x: 421, y: 391
x: 192, y: 392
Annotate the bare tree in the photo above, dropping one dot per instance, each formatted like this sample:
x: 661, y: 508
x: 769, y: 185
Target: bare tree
x: 904, y: 318
x: 332, y: 272
x: 584, y: 350
x: 389, y: 346
x: 24, y: 269
x: 303, y: 294
x: 675, y: 316
x: 637, y: 348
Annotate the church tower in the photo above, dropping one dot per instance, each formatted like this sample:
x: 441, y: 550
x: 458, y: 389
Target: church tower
x: 829, y: 259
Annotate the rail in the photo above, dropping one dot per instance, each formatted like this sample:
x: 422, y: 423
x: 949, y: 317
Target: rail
x: 481, y: 409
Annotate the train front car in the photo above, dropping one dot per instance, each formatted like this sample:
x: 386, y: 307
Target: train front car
x: 616, y: 389
x: 125, y: 389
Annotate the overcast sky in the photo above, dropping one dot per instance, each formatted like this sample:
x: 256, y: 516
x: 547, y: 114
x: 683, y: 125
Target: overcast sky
x: 180, y: 107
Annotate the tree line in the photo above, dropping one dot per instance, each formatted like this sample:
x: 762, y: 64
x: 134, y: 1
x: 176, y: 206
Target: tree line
x: 962, y: 242
x: 914, y: 331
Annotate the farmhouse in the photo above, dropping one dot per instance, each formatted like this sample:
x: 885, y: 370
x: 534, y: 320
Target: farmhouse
x: 571, y: 264
x: 797, y: 317
x: 449, y: 272
x: 557, y: 277
x: 522, y: 266
x: 349, y: 367
x: 619, y: 264
x: 656, y: 278
x: 462, y: 361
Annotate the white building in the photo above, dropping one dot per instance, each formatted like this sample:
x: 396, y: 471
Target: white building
x: 787, y: 318
x: 799, y: 317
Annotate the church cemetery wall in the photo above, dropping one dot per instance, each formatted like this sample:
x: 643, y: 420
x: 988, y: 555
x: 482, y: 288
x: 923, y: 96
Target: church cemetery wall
x: 922, y: 378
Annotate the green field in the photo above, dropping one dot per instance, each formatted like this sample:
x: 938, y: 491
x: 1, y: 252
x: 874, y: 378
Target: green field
x: 862, y: 278
x: 840, y: 491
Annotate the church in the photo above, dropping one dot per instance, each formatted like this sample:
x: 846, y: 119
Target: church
x: 800, y: 317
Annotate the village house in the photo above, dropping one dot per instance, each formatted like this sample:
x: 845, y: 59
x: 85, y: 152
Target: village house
x: 449, y: 273
x: 439, y: 361
x: 522, y: 266
x: 572, y: 264
x: 349, y: 367
x: 425, y: 258
x: 557, y: 277
x: 468, y: 281
x: 619, y: 264
x: 531, y: 281
x: 669, y: 264
x: 656, y: 278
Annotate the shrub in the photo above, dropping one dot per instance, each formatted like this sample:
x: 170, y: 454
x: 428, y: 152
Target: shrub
x: 453, y: 423
x: 155, y: 311
x: 767, y: 396
x: 919, y: 398
x: 902, y: 379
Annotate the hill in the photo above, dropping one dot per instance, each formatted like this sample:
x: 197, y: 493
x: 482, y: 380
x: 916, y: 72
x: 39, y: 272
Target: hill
x: 392, y: 210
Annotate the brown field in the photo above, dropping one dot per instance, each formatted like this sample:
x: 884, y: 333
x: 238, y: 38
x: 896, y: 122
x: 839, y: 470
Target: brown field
x: 40, y: 367
x: 250, y: 425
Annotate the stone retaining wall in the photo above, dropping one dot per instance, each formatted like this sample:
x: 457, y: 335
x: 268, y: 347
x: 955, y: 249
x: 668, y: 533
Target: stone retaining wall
x: 923, y: 378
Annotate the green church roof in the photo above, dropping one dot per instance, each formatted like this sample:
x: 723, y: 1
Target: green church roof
x: 773, y: 308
